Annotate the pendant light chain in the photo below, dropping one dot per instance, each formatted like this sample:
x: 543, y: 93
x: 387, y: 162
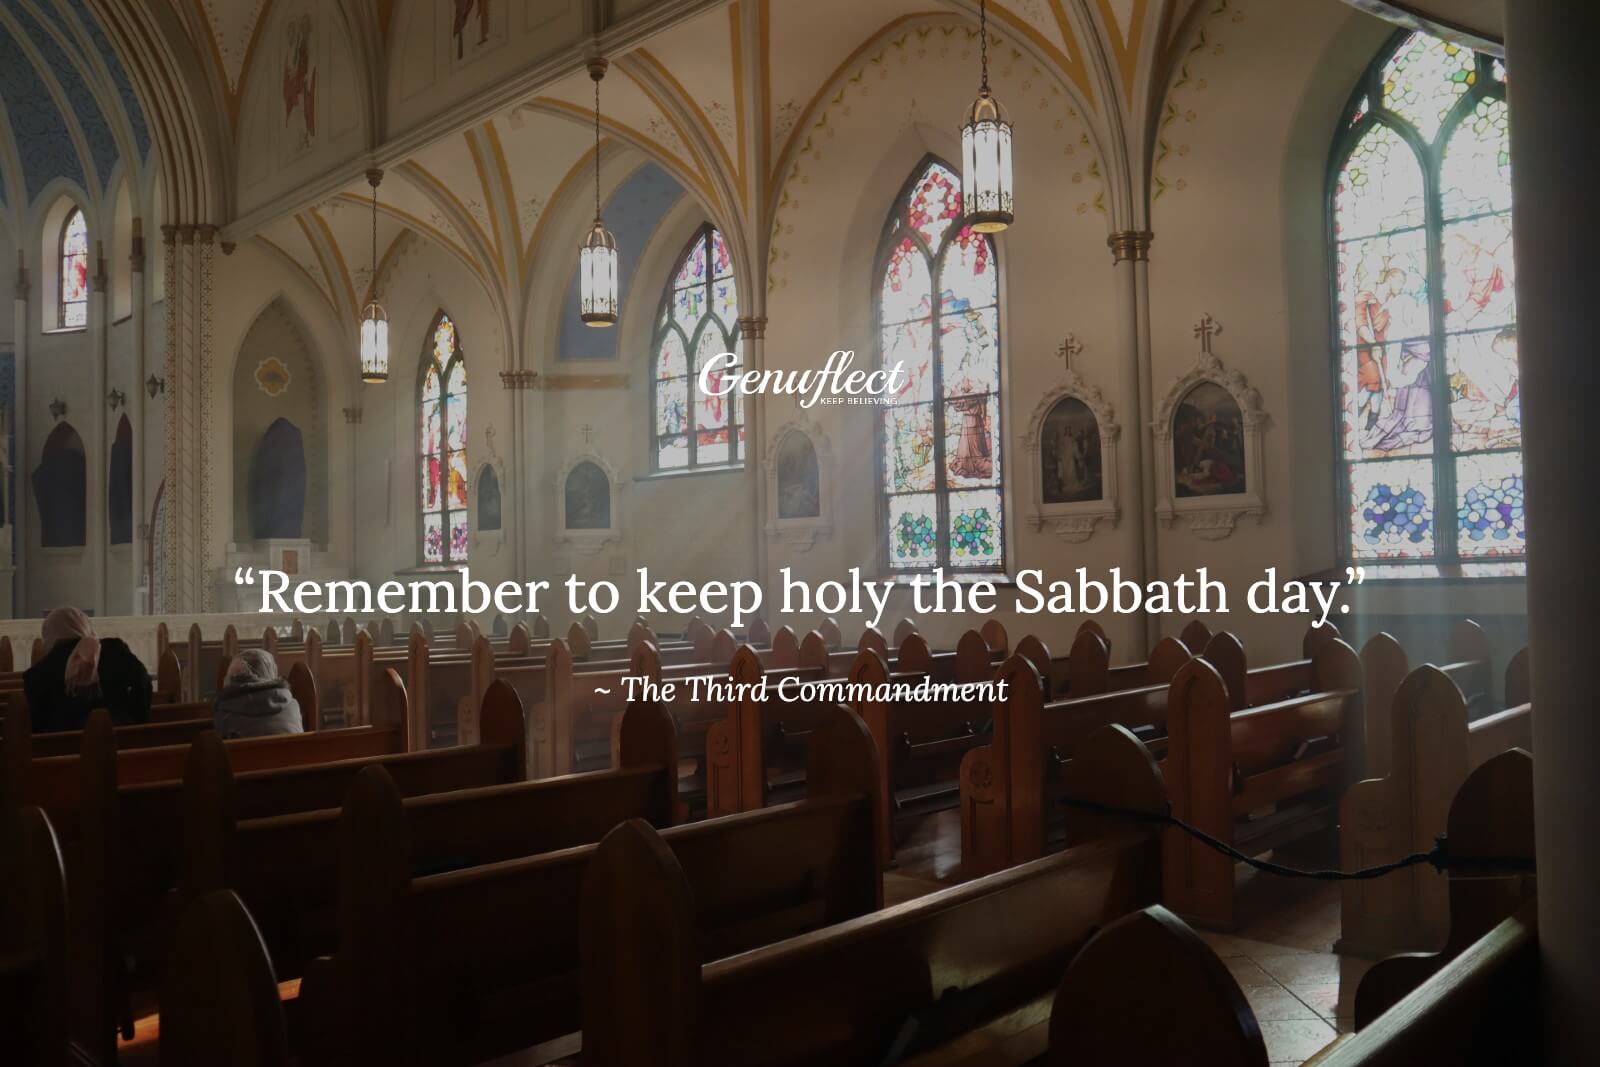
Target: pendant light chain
x: 597, y: 148
x: 374, y: 286
x: 983, y: 40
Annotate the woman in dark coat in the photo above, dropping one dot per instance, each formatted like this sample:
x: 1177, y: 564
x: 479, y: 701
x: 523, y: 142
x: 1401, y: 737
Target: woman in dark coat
x: 80, y: 672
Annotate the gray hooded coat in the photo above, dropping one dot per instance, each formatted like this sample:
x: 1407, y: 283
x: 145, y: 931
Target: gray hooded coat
x: 254, y: 701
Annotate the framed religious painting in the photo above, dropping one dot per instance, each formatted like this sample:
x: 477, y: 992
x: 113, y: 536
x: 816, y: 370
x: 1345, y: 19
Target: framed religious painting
x: 1071, y: 441
x: 799, y: 472
x: 1208, y: 449
x: 588, y: 504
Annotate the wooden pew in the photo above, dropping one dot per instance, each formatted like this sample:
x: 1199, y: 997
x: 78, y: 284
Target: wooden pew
x: 135, y: 843
x: 1385, y: 665
x: 56, y: 783
x: 34, y: 994
x: 474, y: 963
x: 1151, y: 957
x: 920, y: 742
x: 984, y: 956
x: 219, y: 995
x: 286, y: 866
x: 1433, y: 747
x: 1009, y: 805
x: 174, y: 724
x: 1224, y: 768
x: 1475, y: 1003
x: 755, y: 744
x: 1491, y: 817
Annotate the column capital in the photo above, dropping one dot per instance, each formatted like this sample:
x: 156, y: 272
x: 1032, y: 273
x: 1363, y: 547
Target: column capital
x: 753, y: 327
x: 1130, y: 244
x: 517, y: 380
x: 352, y: 416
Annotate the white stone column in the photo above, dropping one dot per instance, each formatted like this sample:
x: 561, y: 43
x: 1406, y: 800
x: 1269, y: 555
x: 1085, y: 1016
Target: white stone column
x: 1130, y: 255
x: 753, y: 332
x: 21, y: 493
x: 96, y: 528
x: 1554, y: 146
x: 137, y: 399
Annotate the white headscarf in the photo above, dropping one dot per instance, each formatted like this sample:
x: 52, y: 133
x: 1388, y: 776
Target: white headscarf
x: 83, y: 666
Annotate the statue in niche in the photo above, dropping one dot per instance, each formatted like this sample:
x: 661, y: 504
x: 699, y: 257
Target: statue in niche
x: 489, y: 500
x: 1208, y: 443
x: 1069, y: 446
x: 799, y: 493
x: 588, y: 498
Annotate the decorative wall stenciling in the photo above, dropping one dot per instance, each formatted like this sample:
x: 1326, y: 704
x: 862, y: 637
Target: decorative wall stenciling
x: 1071, y: 445
x: 588, y: 504
x: 272, y: 376
x: 799, y: 472
x: 1208, y: 451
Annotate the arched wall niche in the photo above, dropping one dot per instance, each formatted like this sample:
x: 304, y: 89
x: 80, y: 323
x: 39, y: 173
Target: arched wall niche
x: 278, y: 378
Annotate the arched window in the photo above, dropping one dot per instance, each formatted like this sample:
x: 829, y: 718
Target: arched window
x: 72, y: 302
x: 698, y: 321
x: 442, y: 400
x: 938, y: 308
x: 1430, y: 409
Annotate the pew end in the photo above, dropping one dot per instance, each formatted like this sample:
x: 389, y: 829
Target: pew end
x: 219, y: 996
x: 1491, y: 815
x: 1100, y: 1012
x: 501, y: 723
x: 303, y: 685
x: 34, y: 990
x: 634, y: 893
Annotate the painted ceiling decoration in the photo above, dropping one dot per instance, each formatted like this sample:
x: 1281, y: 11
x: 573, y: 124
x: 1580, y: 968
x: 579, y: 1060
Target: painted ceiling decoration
x: 232, y: 24
x: 489, y: 147
x: 59, y: 74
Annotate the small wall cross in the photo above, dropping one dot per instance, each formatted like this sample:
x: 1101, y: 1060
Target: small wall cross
x: 1069, y: 348
x: 588, y: 433
x: 1206, y: 329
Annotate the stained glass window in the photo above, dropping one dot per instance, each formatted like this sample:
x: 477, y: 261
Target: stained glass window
x: 1425, y: 285
x: 694, y: 427
x: 442, y: 437
x: 938, y: 304
x: 74, y: 294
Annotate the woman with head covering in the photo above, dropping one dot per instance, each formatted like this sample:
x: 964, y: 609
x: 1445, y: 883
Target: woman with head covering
x: 254, y: 701
x: 81, y: 672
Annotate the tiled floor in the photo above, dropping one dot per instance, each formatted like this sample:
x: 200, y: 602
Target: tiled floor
x: 1281, y: 953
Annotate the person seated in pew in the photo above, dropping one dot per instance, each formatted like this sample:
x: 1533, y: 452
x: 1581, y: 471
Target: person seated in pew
x: 254, y: 701
x: 81, y: 672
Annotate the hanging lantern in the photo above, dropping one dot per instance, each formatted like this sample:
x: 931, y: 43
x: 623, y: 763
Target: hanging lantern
x: 597, y: 260
x: 374, y: 320
x: 597, y: 277
x: 986, y: 190
x: 374, y: 344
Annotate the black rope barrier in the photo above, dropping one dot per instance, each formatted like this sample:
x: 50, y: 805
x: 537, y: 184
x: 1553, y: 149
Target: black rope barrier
x: 1438, y: 857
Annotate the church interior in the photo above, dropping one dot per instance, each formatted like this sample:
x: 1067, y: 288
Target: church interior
x: 1180, y: 347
